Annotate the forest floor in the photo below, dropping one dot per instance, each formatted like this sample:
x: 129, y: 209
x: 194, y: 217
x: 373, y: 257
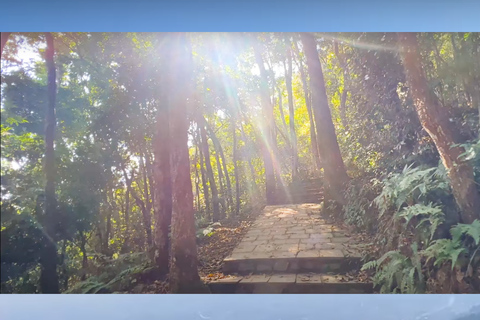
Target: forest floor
x: 212, y: 250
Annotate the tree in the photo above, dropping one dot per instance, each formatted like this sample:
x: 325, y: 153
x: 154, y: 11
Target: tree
x: 435, y: 120
x: 208, y: 164
x: 184, y: 273
x: 308, y: 103
x: 48, y: 260
x: 291, y: 108
x: 343, y: 101
x: 163, y: 181
x: 219, y: 151
x: 335, y: 174
x: 235, y: 167
x: 267, y: 128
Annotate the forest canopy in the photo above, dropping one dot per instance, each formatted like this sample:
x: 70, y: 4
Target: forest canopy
x: 122, y: 152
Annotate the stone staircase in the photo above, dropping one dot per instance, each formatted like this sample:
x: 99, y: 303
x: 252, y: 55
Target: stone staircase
x: 291, y: 249
x: 304, y: 191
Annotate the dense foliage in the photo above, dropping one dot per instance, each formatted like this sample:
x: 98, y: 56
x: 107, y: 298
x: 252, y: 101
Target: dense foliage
x: 258, y: 121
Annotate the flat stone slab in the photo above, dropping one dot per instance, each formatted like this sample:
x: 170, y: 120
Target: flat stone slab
x: 292, y: 238
x: 282, y: 278
x: 256, y: 278
x: 291, y: 283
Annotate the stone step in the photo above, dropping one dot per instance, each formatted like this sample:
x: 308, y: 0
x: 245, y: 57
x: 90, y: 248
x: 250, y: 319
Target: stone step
x: 290, y: 283
x: 321, y: 261
x: 305, y: 193
x: 294, y: 200
x: 309, y: 182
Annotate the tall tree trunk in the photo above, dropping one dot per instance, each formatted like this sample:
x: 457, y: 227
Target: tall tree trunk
x: 147, y: 205
x: 235, y: 168
x: 223, y: 191
x: 150, y: 175
x: 48, y: 256
x: 128, y: 182
x: 306, y: 94
x: 163, y: 184
x: 64, y: 265
x: 267, y: 129
x: 282, y: 115
x: 346, y: 80
x: 184, y: 273
x: 435, y: 120
x: 147, y: 219
x: 206, y: 193
x: 108, y: 231
x: 291, y: 111
x: 146, y: 189
x: 208, y: 165
x: 83, y: 250
x: 218, y: 147
x: 335, y: 174
x: 250, y: 165
x: 197, y: 179
x: 3, y: 39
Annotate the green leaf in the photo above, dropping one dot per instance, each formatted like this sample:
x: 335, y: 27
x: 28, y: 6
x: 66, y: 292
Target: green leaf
x: 472, y: 230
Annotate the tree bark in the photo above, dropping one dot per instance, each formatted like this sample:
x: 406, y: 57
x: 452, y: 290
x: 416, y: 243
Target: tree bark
x: 291, y: 110
x: 267, y: 129
x: 83, y: 250
x: 146, y: 189
x: 335, y: 174
x: 163, y: 184
x: 313, y: 132
x: 346, y: 80
x: 147, y: 221
x: 128, y: 182
x: 108, y: 231
x: 48, y: 259
x: 197, y: 179
x: 250, y: 165
x: 150, y: 175
x: 235, y: 168
x: 282, y: 115
x: 184, y: 273
x: 208, y: 166
x: 218, y: 147
x: 435, y: 120
x: 206, y: 193
x: 223, y: 191
x: 64, y: 266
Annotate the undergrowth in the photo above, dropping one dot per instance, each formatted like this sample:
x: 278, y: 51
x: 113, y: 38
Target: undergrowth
x: 125, y: 273
x: 418, y: 234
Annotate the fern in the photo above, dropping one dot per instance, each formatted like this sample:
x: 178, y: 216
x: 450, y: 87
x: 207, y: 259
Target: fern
x: 471, y: 230
x: 396, y: 272
x: 449, y: 250
x: 370, y: 265
x: 444, y: 250
x: 411, y: 185
x: 427, y: 213
x: 88, y: 286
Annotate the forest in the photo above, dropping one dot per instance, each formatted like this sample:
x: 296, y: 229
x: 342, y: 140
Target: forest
x: 134, y: 162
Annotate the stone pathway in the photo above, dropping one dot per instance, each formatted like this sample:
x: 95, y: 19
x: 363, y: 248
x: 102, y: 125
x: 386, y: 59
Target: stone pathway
x: 289, y: 232
x: 292, y: 244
